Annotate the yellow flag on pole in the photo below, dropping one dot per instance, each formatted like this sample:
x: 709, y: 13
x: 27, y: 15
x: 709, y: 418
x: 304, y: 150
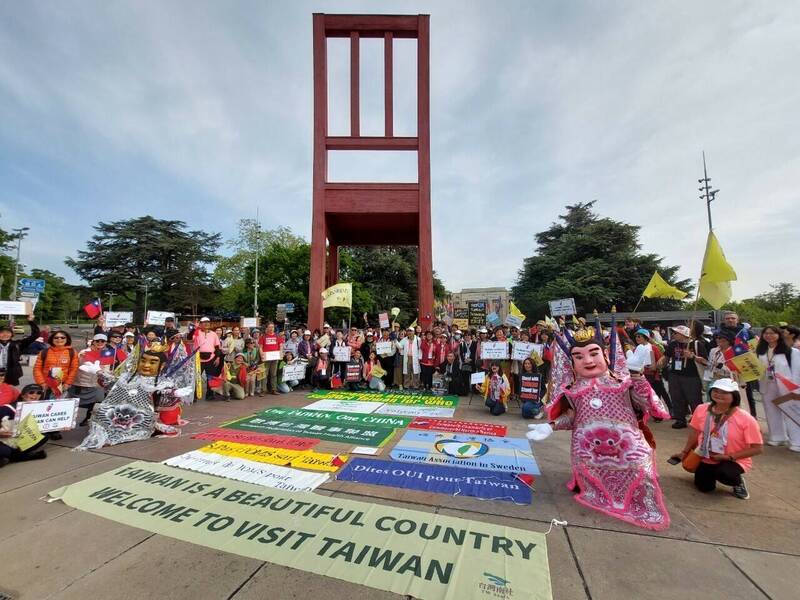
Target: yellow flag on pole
x: 515, y: 311
x: 659, y: 288
x: 715, y: 280
x: 340, y: 294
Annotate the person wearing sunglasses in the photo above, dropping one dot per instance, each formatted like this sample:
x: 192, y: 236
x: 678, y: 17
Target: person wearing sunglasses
x: 9, y: 452
x: 56, y: 366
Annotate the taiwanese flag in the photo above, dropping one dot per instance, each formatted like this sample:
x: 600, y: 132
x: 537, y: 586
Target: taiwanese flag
x: 93, y: 309
x: 740, y: 346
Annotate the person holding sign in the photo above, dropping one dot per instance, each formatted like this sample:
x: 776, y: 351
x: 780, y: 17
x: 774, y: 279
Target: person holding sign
x: 530, y: 391
x: 495, y: 389
x: 284, y: 387
x: 234, y: 382
x: 386, y: 349
x: 411, y: 352
x: 271, y: 354
x: 10, y: 350
x: 428, y: 363
x: 341, y: 355
x: 321, y: 371
x: 208, y: 346
x: 26, y: 442
x: 781, y: 368
x: 373, y: 373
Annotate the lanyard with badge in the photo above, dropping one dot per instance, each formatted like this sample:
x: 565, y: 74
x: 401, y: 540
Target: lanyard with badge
x: 770, y: 364
x: 718, y: 438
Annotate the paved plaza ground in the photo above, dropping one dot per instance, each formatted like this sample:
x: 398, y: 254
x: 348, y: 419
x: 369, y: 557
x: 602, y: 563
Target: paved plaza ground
x: 717, y: 547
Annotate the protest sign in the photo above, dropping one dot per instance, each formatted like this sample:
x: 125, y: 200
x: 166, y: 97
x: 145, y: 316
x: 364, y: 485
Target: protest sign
x: 353, y: 374
x: 461, y: 318
x: 459, y: 426
x: 301, y: 459
x: 248, y: 322
x: 529, y: 387
x: 50, y: 415
x: 157, y: 317
x: 328, y: 416
x: 386, y: 397
x: 270, y: 355
x: 404, y: 551
x: 15, y: 308
x: 514, y: 320
x: 415, y: 411
x: 332, y: 432
x: 494, y: 350
x: 27, y: 433
x: 477, y: 313
x: 341, y: 353
x: 749, y: 366
x: 493, y: 319
x: 383, y: 348
x: 349, y: 406
x: 117, y: 318
x: 295, y: 372
x: 273, y: 476
x: 477, y: 378
x: 260, y: 439
x: 562, y: 307
x: 789, y: 404
x: 510, y: 455
x: 522, y: 350
x: 324, y: 341
x: 383, y: 320
x: 377, y: 371
x: 439, y: 480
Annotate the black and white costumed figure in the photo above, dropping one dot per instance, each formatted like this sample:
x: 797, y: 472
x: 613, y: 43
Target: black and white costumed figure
x: 143, y: 399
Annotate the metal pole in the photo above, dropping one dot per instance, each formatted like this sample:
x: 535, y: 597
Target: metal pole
x: 20, y: 234
x: 708, y: 191
x: 255, y: 283
x: 110, y: 300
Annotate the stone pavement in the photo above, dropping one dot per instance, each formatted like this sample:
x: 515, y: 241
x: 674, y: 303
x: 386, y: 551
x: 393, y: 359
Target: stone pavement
x: 717, y: 547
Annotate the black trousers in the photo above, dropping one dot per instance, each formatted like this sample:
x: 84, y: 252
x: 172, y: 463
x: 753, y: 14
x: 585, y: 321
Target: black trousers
x: 661, y: 391
x: 687, y: 394
x: 751, y: 401
x: 727, y: 472
x: 387, y: 364
x: 426, y: 376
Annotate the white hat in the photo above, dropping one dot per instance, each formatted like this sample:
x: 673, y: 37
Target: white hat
x: 306, y: 332
x: 409, y: 329
x: 100, y: 337
x: 682, y: 330
x: 321, y: 350
x: 205, y: 320
x: 726, y: 385
x: 128, y: 334
x: 326, y: 325
x: 483, y: 330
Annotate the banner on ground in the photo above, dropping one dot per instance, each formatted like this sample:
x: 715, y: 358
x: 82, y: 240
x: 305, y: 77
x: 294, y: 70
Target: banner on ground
x: 409, y: 552
x: 272, y: 476
x: 327, y: 416
x: 300, y: 459
x: 440, y: 480
x: 50, y: 415
x: 295, y: 372
x: 157, y: 317
x: 459, y: 426
x: 349, y: 406
x: 259, y: 439
x: 386, y: 397
x: 332, y: 432
x: 117, y: 318
x: 494, y: 350
x: 509, y: 455
x: 415, y: 411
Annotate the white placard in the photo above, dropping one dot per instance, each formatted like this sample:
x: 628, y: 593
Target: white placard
x: 295, y: 372
x: 383, y: 320
x: 341, y: 353
x: 117, y: 319
x: 271, y: 355
x: 348, y: 406
x: 513, y: 321
x: 158, y: 317
x: 241, y: 469
x: 383, y: 348
x: 249, y: 322
x: 401, y: 410
x: 790, y: 405
x: 494, y: 351
x: 562, y: 307
x: 477, y: 378
x: 14, y: 308
x: 522, y: 350
x: 50, y: 415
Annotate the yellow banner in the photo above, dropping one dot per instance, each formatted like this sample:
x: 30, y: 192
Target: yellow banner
x: 301, y: 459
x: 659, y: 288
x: 715, y: 281
x: 340, y: 294
x: 28, y: 434
x: 749, y: 367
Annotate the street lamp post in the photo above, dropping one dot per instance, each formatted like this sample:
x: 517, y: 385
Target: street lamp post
x: 19, y: 233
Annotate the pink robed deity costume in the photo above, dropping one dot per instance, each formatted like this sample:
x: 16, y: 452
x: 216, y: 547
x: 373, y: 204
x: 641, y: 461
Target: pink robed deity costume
x: 613, y: 466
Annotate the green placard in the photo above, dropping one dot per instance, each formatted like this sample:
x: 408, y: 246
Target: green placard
x: 411, y: 399
x: 330, y: 416
x: 331, y: 432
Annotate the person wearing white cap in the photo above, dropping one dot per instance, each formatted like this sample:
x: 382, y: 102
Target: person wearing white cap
x: 685, y: 385
x: 85, y: 386
x: 411, y: 351
x: 722, y: 441
x: 208, y: 346
x: 321, y: 371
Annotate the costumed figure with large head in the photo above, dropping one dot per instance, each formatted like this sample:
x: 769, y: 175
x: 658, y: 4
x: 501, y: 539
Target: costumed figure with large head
x: 595, y: 395
x: 145, y: 396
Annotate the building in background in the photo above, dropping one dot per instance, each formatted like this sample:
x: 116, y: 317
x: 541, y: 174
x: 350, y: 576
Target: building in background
x: 496, y: 298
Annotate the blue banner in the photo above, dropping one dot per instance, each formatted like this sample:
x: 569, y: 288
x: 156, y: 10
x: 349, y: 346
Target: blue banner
x: 441, y: 480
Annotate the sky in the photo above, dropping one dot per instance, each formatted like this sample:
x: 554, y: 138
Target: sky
x: 202, y: 111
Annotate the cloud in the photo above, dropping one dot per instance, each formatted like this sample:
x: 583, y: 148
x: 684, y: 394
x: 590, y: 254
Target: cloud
x: 203, y: 112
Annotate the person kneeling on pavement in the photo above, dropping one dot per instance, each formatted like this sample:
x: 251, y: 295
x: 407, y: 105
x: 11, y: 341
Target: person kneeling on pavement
x: 9, y: 452
x: 495, y: 389
x: 234, y: 383
x: 722, y: 440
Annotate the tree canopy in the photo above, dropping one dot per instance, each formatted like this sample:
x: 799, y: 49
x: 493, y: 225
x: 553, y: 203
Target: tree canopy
x: 156, y: 256
x: 596, y: 260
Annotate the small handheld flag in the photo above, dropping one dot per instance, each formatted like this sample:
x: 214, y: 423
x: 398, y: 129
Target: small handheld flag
x: 94, y: 309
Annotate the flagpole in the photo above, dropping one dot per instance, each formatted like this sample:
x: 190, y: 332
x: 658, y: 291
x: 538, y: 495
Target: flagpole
x: 638, y: 303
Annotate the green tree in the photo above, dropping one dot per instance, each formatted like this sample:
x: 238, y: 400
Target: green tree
x: 6, y: 263
x: 124, y: 257
x: 780, y: 304
x: 596, y: 260
x: 59, y: 302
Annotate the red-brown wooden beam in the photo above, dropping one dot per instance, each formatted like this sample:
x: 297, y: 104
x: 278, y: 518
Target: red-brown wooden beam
x: 355, y: 124
x: 372, y: 26
x: 425, y: 251
x: 388, y: 82
x: 371, y: 143
x: 333, y: 265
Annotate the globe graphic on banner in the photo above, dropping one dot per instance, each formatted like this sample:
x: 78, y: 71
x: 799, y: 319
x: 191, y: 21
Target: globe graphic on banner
x: 456, y: 449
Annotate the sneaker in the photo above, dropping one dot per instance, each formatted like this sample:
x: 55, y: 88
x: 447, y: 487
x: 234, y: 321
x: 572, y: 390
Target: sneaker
x: 740, y: 491
x: 679, y: 425
x: 539, y: 415
x: 794, y: 448
x: 774, y: 443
